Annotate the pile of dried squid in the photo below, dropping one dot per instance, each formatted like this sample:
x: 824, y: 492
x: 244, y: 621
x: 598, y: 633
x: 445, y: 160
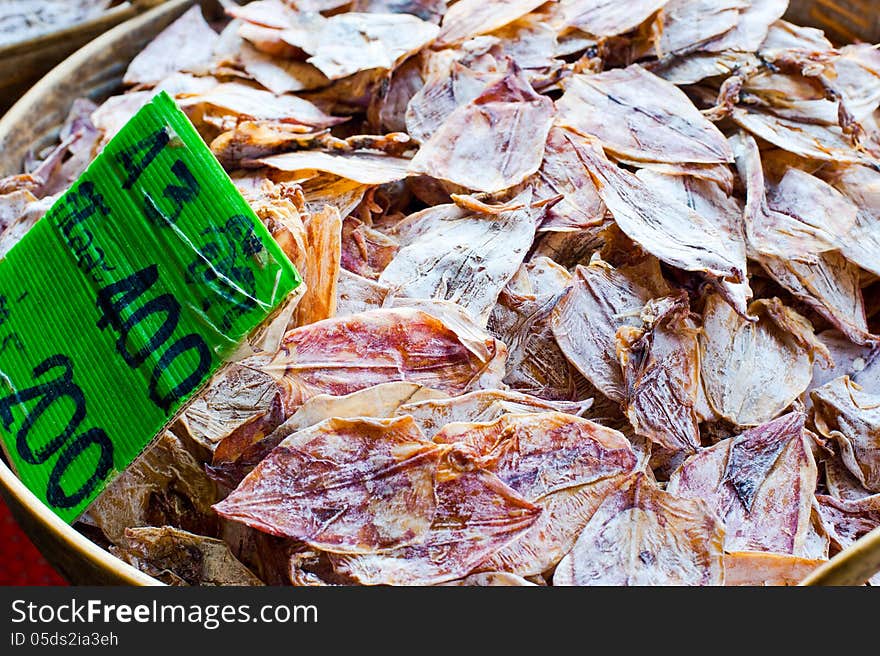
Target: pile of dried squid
x: 591, y: 296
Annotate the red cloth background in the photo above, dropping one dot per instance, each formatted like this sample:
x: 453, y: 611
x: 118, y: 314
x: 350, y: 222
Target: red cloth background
x: 20, y: 562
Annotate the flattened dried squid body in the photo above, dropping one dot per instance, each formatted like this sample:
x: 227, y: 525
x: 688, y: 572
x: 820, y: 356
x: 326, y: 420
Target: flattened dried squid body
x: 764, y: 568
x: 604, y: 18
x: 178, y: 557
x: 365, y: 168
x: 822, y: 142
x: 759, y: 483
x: 666, y: 228
x: 237, y: 100
x: 185, y: 45
x: 723, y: 211
x: 535, y: 364
x: 660, y: 364
x: 561, y: 173
x: 476, y: 516
x: 449, y: 253
x: 165, y: 485
x: 342, y: 355
x: 345, y: 485
x: 563, y: 464
x: 654, y: 120
x: 752, y: 371
x: 642, y: 535
x: 238, y: 453
x: 687, y: 25
x: 861, y: 185
x: 586, y: 320
x: 347, y: 43
x: 470, y: 18
x: 481, y: 406
x: 851, y: 417
x: 491, y: 143
x: 580, y: 278
x: 848, y: 520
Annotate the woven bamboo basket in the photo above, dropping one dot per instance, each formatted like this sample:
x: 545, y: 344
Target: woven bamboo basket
x: 24, y: 62
x: 96, y: 71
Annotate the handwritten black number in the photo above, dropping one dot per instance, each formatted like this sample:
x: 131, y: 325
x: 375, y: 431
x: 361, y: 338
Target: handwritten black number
x: 50, y: 392
x: 136, y: 158
x: 165, y: 304
x: 55, y: 493
x: 129, y: 289
x: 117, y: 298
x: 179, y: 195
x: 56, y: 390
x: 191, y: 382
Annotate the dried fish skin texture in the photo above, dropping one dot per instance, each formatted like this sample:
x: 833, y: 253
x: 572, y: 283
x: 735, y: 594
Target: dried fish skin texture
x: 476, y: 516
x: 481, y: 406
x: 666, y: 228
x: 642, y: 535
x: 347, y: 43
x: 851, y: 417
x: 459, y: 255
x: 181, y: 558
x: 469, y: 18
x: 166, y: 485
x: 493, y: 142
x: 759, y: 568
x: 585, y: 321
x: 538, y: 454
x: 343, y: 355
x: 759, y: 483
x: 604, y: 18
x: 661, y: 374
x: 640, y: 117
x: 752, y: 371
x: 563, y: 464
x: 344, y: 486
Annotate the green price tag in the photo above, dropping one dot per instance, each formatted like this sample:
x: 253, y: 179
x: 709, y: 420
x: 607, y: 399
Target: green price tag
x: 122, y: 301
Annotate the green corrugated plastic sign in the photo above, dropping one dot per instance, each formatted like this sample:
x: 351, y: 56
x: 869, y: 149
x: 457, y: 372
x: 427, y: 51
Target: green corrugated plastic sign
x: 122, y: 301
